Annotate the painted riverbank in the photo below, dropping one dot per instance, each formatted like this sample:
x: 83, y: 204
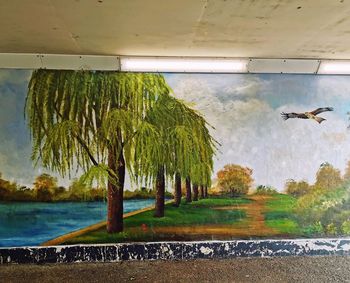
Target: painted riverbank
x: 91, y: 228
x: 30, y: 224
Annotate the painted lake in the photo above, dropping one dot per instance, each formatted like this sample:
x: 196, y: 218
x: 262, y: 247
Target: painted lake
x: 30, y: 224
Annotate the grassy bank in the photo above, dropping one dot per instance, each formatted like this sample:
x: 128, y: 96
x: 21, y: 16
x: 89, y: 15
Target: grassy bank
x: 280, y: 216
x: 258, y: 216
x: 140, y: 227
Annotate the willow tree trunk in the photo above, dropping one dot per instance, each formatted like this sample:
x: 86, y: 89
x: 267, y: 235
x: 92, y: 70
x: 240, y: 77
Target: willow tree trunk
x: 195, y: 192
x: 116, y: 163
x: 177, y: 193
x: 201, y: 194
x: 188, y: 190
x: 160, y: 193
x: 205, y: 191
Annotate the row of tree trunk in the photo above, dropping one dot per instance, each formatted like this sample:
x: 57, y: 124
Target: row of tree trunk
x: 115, y: 193
x: 198, y: 192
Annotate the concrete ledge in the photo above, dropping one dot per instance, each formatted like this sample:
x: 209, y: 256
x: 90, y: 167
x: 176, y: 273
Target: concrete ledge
x: 175, y: 250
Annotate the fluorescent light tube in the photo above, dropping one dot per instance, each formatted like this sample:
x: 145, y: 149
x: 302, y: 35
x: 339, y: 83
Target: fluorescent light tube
x: 177, y: 64
x: 334, y: 67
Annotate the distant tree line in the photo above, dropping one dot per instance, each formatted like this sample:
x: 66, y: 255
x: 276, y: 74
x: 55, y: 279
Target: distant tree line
x: 327, y: 178
x: 265, y: 190
x: 46, y: 189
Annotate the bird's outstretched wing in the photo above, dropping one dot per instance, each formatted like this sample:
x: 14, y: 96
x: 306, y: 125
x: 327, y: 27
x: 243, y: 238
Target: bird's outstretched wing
x: 322, y: 109
x: 286, y: 116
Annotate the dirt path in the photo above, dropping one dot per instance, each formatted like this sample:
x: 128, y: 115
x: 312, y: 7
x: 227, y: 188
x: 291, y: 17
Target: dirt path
x: 251, y: 226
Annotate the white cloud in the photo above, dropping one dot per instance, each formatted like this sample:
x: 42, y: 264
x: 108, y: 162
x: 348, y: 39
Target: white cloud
x: 247, y: 88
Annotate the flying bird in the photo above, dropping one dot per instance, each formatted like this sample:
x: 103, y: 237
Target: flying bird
x: 308, y: 115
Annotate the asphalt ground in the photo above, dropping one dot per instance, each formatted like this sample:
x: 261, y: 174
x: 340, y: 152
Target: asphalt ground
x: 277, y: 269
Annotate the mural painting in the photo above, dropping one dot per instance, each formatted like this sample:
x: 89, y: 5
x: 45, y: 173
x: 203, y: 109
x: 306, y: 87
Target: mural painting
x: 191, y: 156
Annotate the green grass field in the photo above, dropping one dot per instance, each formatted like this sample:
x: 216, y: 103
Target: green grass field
x: 240, y: 214
x: 279, y: 214
x: 195, y: 213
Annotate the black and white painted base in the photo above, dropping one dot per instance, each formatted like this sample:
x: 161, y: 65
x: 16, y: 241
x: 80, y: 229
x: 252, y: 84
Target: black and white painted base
x: 175, y: 250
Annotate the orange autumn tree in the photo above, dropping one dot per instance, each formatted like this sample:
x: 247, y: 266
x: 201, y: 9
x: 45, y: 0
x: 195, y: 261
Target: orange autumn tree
x: 234, y: 179
x: 44, y: 187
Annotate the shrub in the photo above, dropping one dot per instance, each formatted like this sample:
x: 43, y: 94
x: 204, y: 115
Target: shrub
x: 329, y: 207
x: 321, y: 205
x: 345, y: 227
x: 297, y: 189
x: 234, y: 179
x: 328, y: 177
x: 314, y: 229
x: 265, y: 190
x: 331, y: 229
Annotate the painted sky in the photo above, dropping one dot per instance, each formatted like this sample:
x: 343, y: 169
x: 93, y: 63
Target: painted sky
x: 245, y: 111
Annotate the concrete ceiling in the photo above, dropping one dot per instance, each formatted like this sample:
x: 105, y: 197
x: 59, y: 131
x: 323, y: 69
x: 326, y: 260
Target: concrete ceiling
x: 234, y: 28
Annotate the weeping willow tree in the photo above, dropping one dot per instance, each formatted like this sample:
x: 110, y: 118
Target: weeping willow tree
x: 181, y: 148
x: 194, y: 151
x: 95, y: 122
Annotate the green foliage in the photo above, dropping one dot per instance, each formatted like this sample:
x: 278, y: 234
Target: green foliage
x: 78, y: 190
x: 315, y: 229
x: 330, y: 209
x: 324, y: 208
x: 96, y: 173
x: 175, y: 137
x: 331, y: 229
x: 265, y: 190
x: 345, y: 227
x: 77, y: 117
x: 321, y: 205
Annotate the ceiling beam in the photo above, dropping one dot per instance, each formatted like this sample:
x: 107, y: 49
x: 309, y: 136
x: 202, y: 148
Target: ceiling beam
x: 174, y: 64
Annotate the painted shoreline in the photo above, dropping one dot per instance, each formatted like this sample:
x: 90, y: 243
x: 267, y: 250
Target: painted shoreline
x: 63, y: 238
